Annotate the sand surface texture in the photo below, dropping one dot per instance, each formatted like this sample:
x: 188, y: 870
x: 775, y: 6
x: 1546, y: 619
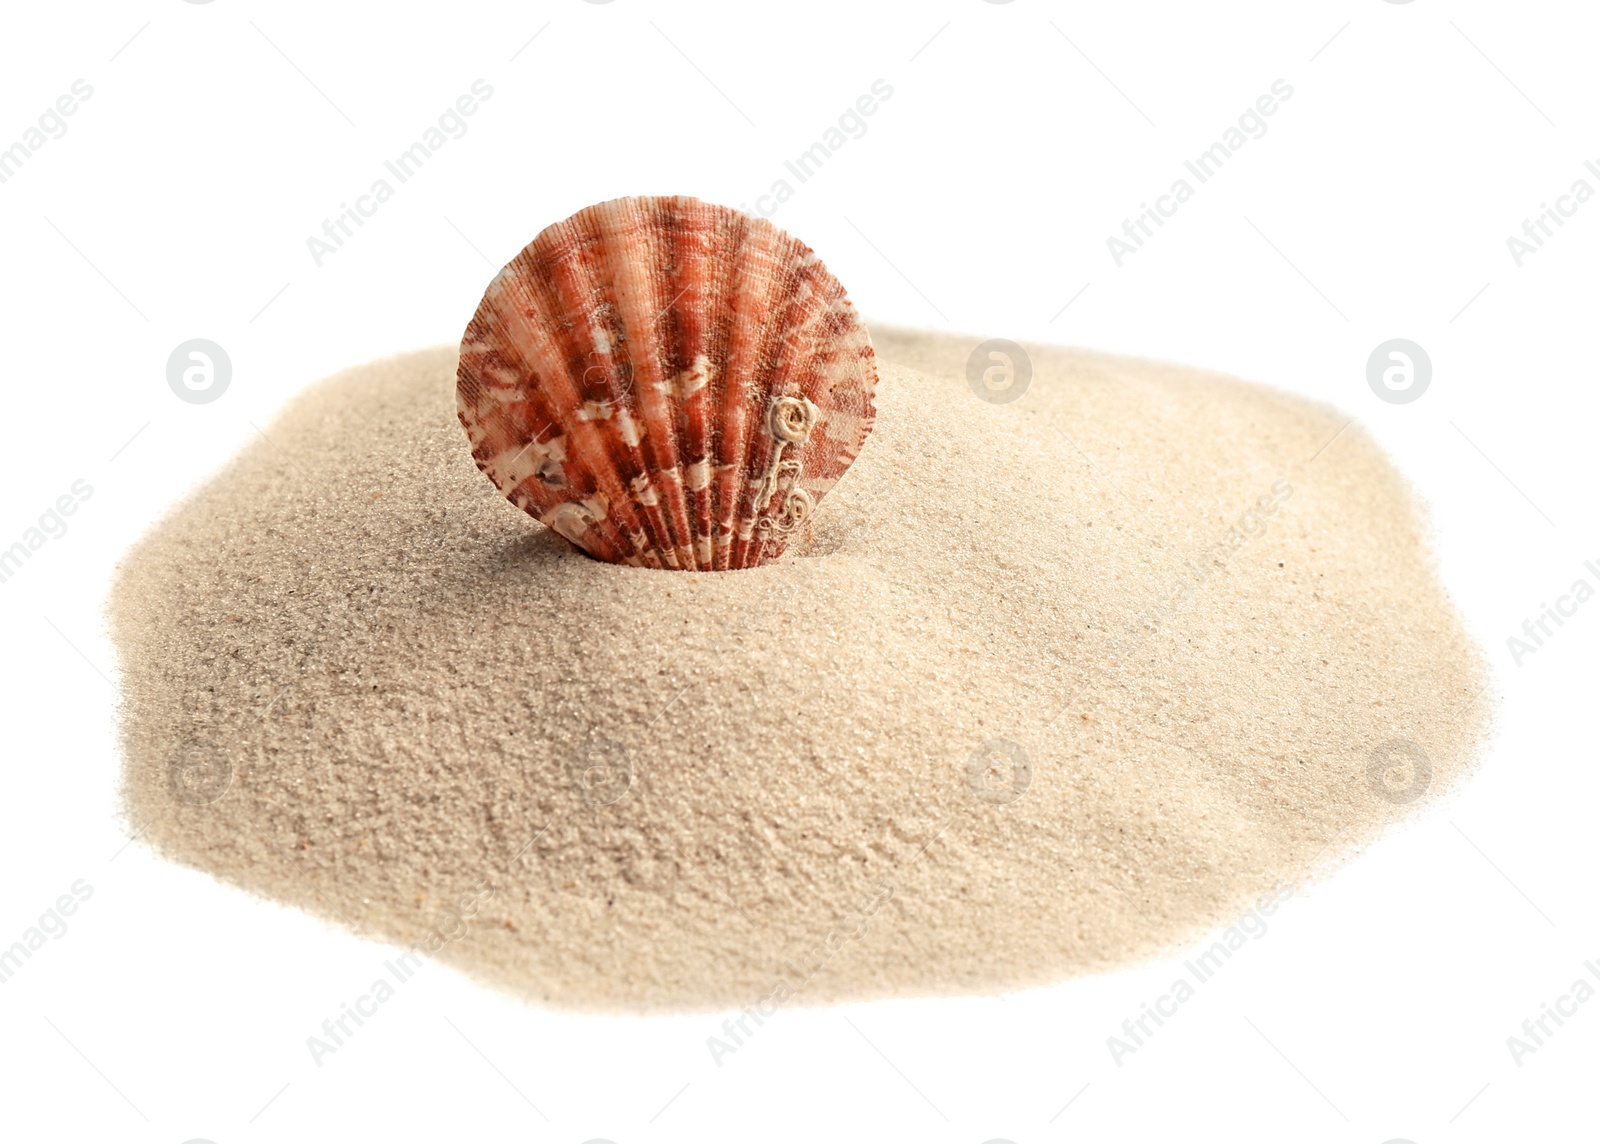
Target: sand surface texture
x: 1055, y: 685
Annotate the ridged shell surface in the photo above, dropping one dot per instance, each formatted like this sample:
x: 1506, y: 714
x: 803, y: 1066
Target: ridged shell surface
x: 666, y: 382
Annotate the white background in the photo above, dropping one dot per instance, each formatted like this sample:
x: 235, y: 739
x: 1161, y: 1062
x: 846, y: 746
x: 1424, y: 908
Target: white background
x: 219, y: 137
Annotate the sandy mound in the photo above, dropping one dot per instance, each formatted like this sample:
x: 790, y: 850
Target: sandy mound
x: 1058, y: 684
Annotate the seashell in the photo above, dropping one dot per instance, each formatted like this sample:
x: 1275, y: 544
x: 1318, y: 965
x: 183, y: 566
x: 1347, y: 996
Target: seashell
x: 667, y: 383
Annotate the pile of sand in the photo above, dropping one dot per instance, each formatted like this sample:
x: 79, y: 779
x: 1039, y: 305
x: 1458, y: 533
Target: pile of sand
x: 1058, y: 684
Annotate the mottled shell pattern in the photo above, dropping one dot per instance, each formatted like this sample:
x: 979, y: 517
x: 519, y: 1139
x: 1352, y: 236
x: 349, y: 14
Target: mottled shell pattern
x: 667, y: 383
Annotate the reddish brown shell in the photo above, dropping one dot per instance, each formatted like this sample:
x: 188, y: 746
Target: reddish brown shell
x: 667, y: 382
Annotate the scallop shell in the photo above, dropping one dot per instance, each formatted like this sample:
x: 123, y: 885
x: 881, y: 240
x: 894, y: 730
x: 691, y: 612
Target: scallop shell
x: 666, y: 382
